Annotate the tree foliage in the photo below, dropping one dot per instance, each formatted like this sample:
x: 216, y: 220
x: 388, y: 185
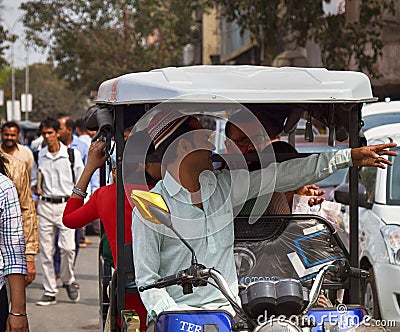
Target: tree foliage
x: 342, y: 42
x: 93, y: 40
x: 51, y: 95
x: 4, y: 37
x: 3, y: 46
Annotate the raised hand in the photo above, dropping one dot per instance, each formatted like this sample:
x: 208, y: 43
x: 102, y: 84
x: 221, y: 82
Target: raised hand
x: 371, y: 155
x: 96, y: 156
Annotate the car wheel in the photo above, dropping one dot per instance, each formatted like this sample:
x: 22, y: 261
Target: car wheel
x: 369, y: 295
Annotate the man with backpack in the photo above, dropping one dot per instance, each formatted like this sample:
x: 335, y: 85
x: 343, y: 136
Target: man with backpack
x: 53, y: 176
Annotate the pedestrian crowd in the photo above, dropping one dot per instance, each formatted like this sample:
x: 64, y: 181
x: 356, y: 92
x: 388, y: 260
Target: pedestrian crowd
x: 35, y: 185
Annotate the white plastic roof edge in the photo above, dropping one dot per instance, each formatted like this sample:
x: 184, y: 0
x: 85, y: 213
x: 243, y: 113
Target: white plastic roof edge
x: 245, y: 84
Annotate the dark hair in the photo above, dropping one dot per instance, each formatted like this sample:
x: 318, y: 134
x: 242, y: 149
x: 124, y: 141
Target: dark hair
x: 283, y: 151
x: 50, y: 123
x: 142, y: 147
x: 129, y: 128
x: 69, y: 123
x: 172, y: 141
x: 10, y: 124
x: 236, y: 119
x: 3, y: 162
x: 81, y: 124
x: 61, y: 115
x: 208, y: 122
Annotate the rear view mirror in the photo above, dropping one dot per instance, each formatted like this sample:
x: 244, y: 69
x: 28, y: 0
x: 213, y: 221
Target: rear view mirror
x: 342, y: 195
x: 99, y: 118
x: 147, y: 203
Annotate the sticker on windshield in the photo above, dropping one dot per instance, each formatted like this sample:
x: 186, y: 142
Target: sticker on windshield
x: 314, y: 229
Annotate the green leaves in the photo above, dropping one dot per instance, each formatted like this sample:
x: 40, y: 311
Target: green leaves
x: 343, y: 43
x: 90, y: 41
x: 3, y: 46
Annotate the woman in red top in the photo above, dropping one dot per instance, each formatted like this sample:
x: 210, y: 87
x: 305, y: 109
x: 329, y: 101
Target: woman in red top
x: 103, y: 205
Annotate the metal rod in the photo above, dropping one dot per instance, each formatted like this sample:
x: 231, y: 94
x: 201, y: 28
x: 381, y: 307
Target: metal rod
x: 354, y: 122
x: 119, y: 141
x: 12, y: 66
x: 12, y: 81
x: 26, y: 83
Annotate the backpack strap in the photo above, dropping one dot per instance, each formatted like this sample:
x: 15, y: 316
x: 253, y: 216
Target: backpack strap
x: 36, y: 157
x: 71, y: 156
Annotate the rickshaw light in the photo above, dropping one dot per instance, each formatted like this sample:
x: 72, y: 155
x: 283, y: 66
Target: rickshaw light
x: 391, y: 236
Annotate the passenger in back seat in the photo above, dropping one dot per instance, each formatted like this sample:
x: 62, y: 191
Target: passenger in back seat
x: 238, y: 142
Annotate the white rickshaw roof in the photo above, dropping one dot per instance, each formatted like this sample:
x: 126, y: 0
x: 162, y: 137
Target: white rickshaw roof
x: 245, y: 84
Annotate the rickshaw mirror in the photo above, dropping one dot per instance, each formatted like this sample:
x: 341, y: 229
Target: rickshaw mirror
x: 99, y: 118
x: 91, y: 117
x: 161, y: 216
x: 152, y: 207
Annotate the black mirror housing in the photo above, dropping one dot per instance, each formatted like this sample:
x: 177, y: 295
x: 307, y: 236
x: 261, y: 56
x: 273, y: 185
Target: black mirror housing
x: 342, y: 195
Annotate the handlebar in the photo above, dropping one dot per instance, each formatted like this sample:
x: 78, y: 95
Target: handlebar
x: 187, y: 275
x: 175, y: 279
x: 196, y: 274
x: 358, y: 273
x: 342, y: 271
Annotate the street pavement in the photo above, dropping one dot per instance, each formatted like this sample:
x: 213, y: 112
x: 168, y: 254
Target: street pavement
x: 67, y: 315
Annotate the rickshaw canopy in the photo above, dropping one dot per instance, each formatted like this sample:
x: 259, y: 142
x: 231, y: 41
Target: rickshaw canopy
x: 244, y: 84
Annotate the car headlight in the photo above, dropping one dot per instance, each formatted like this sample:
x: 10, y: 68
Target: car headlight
x: 391, y: 235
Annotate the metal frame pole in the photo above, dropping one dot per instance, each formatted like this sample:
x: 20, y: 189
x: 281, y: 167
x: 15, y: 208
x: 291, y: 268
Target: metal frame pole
x: 119, y: 140
x: 354, y: 122
x: 26, y: 84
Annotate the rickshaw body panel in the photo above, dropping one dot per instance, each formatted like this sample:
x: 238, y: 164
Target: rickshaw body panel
x: 195, y: 321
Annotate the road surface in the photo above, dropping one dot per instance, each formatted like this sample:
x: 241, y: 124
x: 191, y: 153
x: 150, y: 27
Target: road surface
x: 66, y: 315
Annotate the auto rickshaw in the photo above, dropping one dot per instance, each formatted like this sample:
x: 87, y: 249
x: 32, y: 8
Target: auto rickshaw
x: 285, y: 95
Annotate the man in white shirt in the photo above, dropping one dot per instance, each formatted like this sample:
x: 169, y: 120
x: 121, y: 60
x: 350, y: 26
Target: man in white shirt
x: 201, y: 203
x: 52, y: 179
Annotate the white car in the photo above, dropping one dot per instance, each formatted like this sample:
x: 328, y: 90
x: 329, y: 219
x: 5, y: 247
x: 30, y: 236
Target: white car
x: 379, y: 230
x: 382, y: 113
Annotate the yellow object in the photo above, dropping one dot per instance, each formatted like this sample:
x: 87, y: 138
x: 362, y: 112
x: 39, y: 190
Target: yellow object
x: 143, y: 199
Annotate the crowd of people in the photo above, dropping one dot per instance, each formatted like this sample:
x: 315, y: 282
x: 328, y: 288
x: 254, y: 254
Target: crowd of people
x: 49, y: 196
x: 35, y: 184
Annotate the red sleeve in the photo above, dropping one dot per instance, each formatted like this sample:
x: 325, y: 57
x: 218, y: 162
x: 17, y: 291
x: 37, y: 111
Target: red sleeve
x: 77, y: 215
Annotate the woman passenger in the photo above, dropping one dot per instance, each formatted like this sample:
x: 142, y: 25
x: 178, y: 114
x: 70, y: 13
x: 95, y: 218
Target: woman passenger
x: 103, y: 203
